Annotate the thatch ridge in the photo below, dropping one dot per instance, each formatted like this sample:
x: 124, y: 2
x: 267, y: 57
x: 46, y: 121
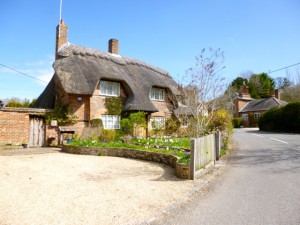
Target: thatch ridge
x: 78, y: 70
x: 68, y: 49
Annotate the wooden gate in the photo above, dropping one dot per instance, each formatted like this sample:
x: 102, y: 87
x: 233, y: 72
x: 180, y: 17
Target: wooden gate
x: 36, y: 131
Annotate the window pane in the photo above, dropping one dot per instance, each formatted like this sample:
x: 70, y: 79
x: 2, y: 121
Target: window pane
x: 102, y: 87
x: 111, y: 121
x: 157, y: 94
x: 109, y: 88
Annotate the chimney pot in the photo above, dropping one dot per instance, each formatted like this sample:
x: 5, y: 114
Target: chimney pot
x: 277, y: 94
x: 113, y: 46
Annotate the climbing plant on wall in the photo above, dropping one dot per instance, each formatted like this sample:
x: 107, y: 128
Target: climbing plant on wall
x: 114, y: 105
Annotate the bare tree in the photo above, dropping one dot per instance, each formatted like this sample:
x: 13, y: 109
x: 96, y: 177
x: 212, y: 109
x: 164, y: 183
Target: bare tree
x: 203, y: 85
x: 292, y: 92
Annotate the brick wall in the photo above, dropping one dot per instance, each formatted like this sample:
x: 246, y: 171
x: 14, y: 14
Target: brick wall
x: 97, y: 107
x: 14, y: 127
x: 79, y: 105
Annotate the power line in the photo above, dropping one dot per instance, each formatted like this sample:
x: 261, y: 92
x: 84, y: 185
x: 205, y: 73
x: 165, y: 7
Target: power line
x: 23, y: 73
x: 283, y: 68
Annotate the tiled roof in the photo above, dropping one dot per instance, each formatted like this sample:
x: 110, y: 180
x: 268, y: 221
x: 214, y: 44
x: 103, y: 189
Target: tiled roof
x: 262, y: 104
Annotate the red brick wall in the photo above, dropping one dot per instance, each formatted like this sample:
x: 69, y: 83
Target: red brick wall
x: 14, y: 127
x: 80, y: 108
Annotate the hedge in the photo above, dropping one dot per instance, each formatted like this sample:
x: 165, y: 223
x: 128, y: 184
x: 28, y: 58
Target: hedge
x: 286, y: 119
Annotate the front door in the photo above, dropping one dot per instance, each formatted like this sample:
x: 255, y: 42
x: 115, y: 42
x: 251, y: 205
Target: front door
x: 36, y: 131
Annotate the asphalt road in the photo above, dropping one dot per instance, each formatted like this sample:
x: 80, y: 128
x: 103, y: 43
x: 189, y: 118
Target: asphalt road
x: 260, y: 185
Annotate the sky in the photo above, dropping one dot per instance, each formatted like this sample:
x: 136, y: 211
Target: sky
x: 255, y: 35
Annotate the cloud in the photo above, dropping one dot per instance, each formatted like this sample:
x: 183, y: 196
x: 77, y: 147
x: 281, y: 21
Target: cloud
x: 37, y: 63
x: 45, y: 75
x: 41, y: 70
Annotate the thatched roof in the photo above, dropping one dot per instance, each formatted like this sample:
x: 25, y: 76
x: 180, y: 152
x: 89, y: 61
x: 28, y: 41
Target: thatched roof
x: 263, y: 104
x: 80, y: 69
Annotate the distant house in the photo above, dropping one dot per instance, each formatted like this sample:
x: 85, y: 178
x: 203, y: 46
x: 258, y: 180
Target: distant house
x: 84, y: 77
x: 251, y: 109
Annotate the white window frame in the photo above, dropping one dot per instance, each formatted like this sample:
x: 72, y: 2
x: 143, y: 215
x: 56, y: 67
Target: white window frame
x: 109, y: 88
x: 157, y: 94
x: 256, y: 115
x: 110, y: 122
x: 158, y: 120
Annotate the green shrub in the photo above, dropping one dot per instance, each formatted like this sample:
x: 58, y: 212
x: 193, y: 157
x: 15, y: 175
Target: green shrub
x: 237, y: 122
x: 171, y: 126
x: 131, y: 124
x: 286, y: 119
x: 91, y: 133
x: 109, y: 135
x: 222, y: 121
x: 96, y: 123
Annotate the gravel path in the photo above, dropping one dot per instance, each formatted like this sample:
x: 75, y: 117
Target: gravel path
x: 59, y: 188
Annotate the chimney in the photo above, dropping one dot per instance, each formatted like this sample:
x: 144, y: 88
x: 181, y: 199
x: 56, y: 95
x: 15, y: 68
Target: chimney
x: 113, y: 46
x: 277, y: 94
x: 244, y: 91
x: 61, y: 36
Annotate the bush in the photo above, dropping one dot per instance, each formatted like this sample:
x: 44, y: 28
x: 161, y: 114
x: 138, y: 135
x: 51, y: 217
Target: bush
x: 286, y: 119
x: 96, y: 123
x: 91, y: 133
x: 222, y: 121
x: 172, y: 125
x: 237, y: 122
x: 134, y: 121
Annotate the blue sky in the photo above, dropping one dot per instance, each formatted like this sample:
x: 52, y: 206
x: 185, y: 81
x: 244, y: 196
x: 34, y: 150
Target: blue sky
x: 255, y: 35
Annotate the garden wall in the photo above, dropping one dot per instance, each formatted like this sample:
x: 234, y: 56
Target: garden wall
x: 19, y: 125
x: 182, y: 171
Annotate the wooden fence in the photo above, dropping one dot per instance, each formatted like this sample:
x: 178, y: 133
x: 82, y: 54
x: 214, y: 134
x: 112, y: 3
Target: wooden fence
x: 204, y: 152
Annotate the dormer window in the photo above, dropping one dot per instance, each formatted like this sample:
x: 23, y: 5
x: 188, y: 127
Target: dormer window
x: 109, y: 88
x: 157, y: 94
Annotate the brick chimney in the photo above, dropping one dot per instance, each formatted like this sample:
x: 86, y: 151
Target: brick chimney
x: 277, y: 94
x: 61, y: 36
x: 113, y: 46
x: 244, y: 91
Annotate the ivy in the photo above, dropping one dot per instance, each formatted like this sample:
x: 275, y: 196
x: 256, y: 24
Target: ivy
x: 60, y: 113
x: 114, y: 105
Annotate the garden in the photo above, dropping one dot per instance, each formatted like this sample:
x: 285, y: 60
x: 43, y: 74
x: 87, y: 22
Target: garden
x: 167, y: 139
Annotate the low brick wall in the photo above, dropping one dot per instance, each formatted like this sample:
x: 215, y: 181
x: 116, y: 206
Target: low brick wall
x: 181, y: 170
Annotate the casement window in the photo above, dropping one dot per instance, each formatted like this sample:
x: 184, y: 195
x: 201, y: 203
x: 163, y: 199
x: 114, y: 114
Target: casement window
x: 108, y: 88
x: 256, y: 116
x: 110, y: 122
x: 157, y: 94
x: 157, y: 122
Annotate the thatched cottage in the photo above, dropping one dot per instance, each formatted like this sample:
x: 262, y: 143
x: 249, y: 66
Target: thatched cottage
x: 84, y: 77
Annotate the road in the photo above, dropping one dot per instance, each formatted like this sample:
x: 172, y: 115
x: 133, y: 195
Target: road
x: 260, y: 185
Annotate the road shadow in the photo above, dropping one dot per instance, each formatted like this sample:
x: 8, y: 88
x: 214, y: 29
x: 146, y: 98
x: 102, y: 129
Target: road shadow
x: 281, y: 160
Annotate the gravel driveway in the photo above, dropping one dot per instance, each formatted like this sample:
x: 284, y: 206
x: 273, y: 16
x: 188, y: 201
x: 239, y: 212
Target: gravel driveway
x: 59, y: 188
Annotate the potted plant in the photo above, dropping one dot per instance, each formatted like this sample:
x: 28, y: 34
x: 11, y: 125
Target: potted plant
x: 24, y: 144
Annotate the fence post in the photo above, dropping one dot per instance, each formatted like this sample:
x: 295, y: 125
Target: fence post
x: 192, y: 159
x: 218, y: 144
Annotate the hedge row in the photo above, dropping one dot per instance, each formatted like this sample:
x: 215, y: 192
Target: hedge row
x: 285, y: 119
